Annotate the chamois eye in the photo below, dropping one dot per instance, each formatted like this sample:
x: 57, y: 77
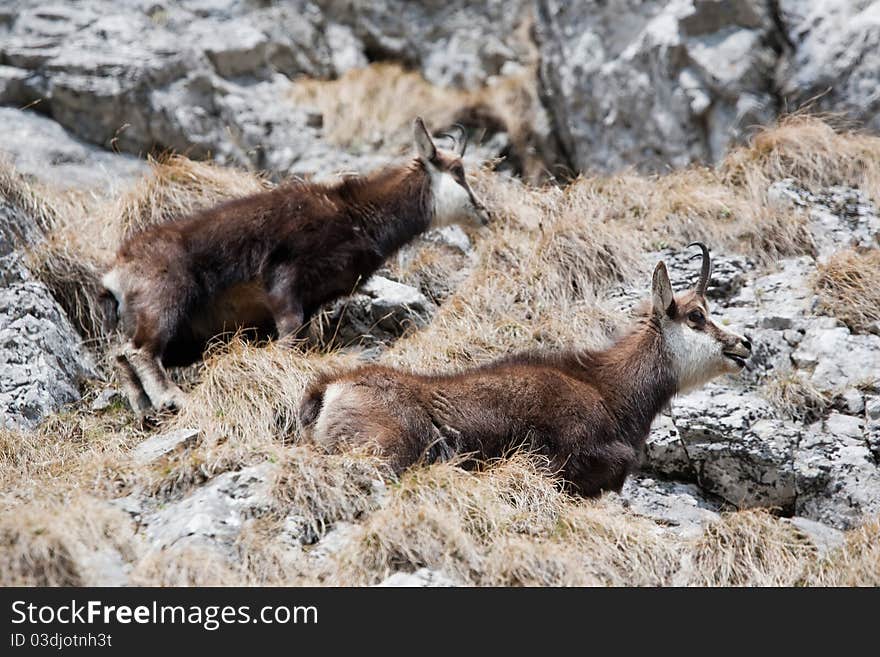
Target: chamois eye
x: 696, y: 316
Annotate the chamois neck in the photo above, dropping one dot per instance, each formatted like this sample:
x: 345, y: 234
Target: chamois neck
x: 393, y: 205
x: 637, y: 377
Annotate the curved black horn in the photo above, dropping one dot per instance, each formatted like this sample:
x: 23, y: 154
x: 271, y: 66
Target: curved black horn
x: 705, y: 270
x: 462, y: 142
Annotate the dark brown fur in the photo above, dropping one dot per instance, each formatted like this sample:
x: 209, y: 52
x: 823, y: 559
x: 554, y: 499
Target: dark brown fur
x: 589, y: 412
x: 269, y: 260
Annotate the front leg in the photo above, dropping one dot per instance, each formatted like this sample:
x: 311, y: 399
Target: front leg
x: 288, y: 313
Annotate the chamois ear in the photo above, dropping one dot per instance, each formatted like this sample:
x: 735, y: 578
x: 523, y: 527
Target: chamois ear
x: 424, y: 143
x: 662, y: 296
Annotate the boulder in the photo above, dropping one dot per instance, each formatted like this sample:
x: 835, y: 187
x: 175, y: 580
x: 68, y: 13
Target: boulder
x: 378, y: 313
x: 680, y: 507
x: 455, y: 43
x: 653, y: 84
x: 41, y: 149
x: 43, y: 362
x: 834, y: 64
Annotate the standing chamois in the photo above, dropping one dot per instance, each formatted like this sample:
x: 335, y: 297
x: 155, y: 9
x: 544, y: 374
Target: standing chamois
x: 270, y: 260
x: 589, y: 412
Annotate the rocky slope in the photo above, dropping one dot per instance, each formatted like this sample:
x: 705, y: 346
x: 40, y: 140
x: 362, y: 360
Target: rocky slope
x: 224, y: 494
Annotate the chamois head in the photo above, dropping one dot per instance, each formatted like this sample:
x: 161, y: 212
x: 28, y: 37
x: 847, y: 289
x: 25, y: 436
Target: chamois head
x: 454, y: 200
x: 698, y: 348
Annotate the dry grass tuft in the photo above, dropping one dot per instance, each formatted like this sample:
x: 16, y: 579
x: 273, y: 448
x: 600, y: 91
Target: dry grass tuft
x: 507, y: 525
x: 855, y: 563
x: 796, y: 397
x: 177, y: 187
x: 187, y: 566
x: 750, y: 548
x: 322, y: 489
x: 817, y: 150
x: 371, y: 109
x: 28, y: 213
x: 60, y: 543
x: 848, y: 285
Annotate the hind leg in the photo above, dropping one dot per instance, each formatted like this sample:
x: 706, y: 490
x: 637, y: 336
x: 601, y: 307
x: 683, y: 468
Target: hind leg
x: 131, y: 384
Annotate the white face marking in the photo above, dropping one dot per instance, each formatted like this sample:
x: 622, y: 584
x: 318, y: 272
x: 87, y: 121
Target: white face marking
x: 452, y: 203
x: 696, y: 355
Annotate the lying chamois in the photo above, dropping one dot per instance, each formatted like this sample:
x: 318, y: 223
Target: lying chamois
x: 588, y: 412
x: 270, y: 260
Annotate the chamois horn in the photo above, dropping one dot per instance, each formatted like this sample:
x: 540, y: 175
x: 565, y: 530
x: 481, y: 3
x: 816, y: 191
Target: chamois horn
x: 705, y: 270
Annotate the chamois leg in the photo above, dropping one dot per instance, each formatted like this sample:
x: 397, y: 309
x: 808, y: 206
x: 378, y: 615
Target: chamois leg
x: 131, y: 384
x: 287, y: 311
x: 164, y: 394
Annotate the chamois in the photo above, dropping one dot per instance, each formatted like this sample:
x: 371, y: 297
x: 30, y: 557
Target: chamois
x: 270, y: 260
x: 589, y: 412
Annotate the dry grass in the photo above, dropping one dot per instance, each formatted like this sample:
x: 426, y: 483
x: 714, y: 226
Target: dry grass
x: 750, y: 548
x: 848, y: 285
x: 855, y: 563
x: 818, y: 151
x: 60, y: 542
x: 371, y: 109
x: 796, y: 397
x: 538, y: 277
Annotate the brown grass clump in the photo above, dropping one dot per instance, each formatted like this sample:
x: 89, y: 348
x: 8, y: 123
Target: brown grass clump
x: 507, y: 525
x: 323, y: 489
x: 817, y: 150
x: 177, y: 187
x: 54, y: 543
x: 750, y: 548
x: 855, y: 563
x: 848, y: 285
x: 371, y: 109
x: 796, y: 397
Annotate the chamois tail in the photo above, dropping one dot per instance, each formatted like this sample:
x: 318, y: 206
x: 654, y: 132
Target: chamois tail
x: 109, y: 311
x: 109, y: 302
x: 312, y: 402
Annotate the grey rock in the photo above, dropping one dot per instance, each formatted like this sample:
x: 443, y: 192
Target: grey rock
x: 423, y: 577
x: 453, y: 236
x: 155, y: 447
x: 139, y: 76
x: 825, y: 538
x: 213, y: 514
x: 653, y: 84
x: 381, y: 311
x: 41, y: 149
x: 835, y: 61
x: 43, y: 362
x: 681, y: 507
x: 853, y: 401
x: 106, y: 399
x: 837, y: 358
x: 454, y: 43
x: 872, y: 408
x: 837, y: 478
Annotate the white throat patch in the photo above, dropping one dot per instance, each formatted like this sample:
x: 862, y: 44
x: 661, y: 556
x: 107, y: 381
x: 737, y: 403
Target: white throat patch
x: 451, y: 200
x: 696, y: 356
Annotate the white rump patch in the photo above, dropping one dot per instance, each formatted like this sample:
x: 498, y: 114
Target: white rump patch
x: 112, y: 282
x: 332, y: 394
x: 451, y: 200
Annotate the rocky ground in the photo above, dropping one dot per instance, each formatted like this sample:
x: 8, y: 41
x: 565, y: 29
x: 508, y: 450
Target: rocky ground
x: 785, y: 457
